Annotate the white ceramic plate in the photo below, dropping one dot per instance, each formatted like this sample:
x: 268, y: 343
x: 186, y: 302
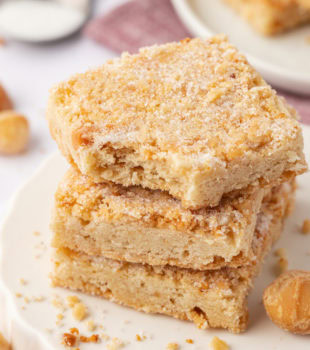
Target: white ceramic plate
x: 30, y: 212
x: 283, y: 60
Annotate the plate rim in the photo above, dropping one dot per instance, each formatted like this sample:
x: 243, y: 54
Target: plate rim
x: 275, y: 74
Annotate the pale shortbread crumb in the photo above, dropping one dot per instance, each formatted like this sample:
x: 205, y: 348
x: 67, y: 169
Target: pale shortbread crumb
x: 306, y: 226
x: 36, y: 233
x: 218, y: 344
x: 18, y: 295
x: 79, y: 311
x: 115, y: 344
x: 58, y: 303
x: 281, y: 253
x: 104, y: 336
x: 91, y: 325
x: 72, y: 300
x: 60, y: 316
x: 172, y: 346
x: 22, y: 281
x: 39, y: 298
x: 282, y: 263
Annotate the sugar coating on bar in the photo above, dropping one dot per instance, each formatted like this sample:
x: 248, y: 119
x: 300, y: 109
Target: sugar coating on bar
x: 192, y: 118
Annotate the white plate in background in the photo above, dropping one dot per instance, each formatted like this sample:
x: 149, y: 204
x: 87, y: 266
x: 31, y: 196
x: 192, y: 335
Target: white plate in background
x: 25, y: 255
x: 283, y: 60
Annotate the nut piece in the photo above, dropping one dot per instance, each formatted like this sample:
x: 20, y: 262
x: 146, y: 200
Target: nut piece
x: 5, y: 102
x: 287, y: 301
x: 14, y: 132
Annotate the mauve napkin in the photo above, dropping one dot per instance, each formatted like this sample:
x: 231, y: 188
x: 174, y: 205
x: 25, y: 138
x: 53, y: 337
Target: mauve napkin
x: 140, y: 23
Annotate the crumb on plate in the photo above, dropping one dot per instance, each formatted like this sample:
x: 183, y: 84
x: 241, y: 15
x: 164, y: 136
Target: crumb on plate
x: 218, y: 344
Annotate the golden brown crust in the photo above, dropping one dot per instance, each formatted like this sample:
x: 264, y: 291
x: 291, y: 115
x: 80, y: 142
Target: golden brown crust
x: 191, y: 118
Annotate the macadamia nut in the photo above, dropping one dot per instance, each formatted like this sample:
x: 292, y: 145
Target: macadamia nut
x: 287, y: 301
x: 14, y: 132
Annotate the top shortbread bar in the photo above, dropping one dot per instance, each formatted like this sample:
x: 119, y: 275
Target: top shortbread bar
x: 192, y: 118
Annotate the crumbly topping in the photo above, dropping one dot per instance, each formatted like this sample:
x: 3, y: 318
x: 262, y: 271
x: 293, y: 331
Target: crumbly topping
x: 306, y: 226
x: 189, y: 341
x: 218, y: 344
x: 198, y: 99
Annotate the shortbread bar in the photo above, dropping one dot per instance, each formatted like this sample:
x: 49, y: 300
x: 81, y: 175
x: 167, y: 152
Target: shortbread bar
x: 147, y: 226
x: 214, y: 298
x: 271, y: 17
x: 192, y: 118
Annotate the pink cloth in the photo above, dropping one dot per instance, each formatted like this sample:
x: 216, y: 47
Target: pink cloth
x: 139, y: 23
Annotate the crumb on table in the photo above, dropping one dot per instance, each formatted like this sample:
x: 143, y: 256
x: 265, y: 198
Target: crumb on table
x: 90, y: 325
x: 306, y: 226
x: 218, y: 344
x: 282, y: 263
x: 115, y: 344
x: 189, y: 341
x: 172, y: 346
x: 72, y: 300
x: 79, y: 311
x: 69, y: 339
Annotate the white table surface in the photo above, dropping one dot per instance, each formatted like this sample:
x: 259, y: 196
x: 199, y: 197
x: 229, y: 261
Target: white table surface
x: 28, y: 72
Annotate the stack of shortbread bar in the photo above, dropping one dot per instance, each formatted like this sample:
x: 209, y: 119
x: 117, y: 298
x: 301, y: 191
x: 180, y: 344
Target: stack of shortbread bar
x: 183, y: 167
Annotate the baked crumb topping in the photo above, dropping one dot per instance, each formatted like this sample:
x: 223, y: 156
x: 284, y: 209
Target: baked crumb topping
x: 179, y: 98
